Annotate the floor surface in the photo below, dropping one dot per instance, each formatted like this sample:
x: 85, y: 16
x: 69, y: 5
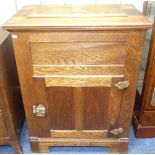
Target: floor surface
x: 137, y: 146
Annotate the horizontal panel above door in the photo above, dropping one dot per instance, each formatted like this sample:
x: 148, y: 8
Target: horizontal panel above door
x: 77, y: 53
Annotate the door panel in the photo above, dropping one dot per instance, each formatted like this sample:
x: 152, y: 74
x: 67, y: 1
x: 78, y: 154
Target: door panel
x: 92, y: 104
x: 61, y: 103
x: 96, y: 106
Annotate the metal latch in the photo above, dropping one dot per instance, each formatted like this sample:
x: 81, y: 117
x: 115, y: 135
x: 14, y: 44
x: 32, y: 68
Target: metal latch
x: 116, y: 131
x: 122, y: 84
x: 39, y: 110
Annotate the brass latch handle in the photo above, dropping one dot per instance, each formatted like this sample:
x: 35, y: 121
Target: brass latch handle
x: 39, y: 110
x: 116, y: 131
x: 122, y: 84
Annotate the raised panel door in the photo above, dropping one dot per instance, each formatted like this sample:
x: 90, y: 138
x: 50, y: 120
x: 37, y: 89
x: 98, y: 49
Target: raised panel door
x: 78, y: 111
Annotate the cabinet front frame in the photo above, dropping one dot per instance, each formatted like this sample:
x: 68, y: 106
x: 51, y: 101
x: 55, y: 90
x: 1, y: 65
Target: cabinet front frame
x: 25, y: 71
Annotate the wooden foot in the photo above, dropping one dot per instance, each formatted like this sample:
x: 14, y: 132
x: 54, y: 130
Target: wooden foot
x: 43, y: 148
x: 17, y: 147
x: 36, y: 147
x: 119, y: 148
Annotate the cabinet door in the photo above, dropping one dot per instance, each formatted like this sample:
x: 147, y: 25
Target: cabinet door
x: 85, y: 112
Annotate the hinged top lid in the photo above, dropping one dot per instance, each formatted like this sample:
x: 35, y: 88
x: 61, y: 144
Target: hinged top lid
x: 78, y: 16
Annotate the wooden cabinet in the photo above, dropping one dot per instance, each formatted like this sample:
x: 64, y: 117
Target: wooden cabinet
x: 11, y: 106
x: 78, y: 69
x: 144, y: 111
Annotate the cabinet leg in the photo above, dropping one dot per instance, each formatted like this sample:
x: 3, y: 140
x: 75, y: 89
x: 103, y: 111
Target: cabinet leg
x: 17, y: 147
x: 119, y: 148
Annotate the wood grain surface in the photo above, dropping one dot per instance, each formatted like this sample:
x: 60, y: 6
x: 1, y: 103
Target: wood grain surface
x: 62, y: 113
x: 76, y: 134
x: 77, y: 81
x: 135, y: 44
x: 77, y: 36
x: 79, y: 108
x: 72, y: 70
x: 23, y: 57
x: 77, y: 53
x: 40, y: 17
x: 40, y: 97
x: 96, y: 106
x: 3, y: 127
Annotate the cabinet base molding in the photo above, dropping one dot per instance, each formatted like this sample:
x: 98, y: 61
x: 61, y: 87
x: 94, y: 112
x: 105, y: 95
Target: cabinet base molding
x: 142, y: 131
x: 114, y: 145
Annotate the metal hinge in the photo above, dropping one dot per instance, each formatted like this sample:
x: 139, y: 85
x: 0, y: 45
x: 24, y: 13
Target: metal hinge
x: 122, y: 84
x: 116, y: 131
x: 39, y: 110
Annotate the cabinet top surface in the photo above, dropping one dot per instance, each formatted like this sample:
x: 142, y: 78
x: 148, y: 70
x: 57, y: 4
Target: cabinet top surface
x: 77, y: 16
